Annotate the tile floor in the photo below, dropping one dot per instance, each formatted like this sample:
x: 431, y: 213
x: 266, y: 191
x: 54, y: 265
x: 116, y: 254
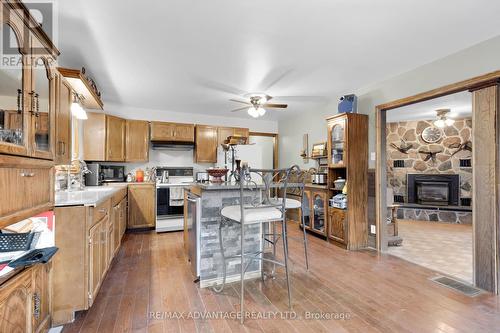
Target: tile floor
x: 446, y: 248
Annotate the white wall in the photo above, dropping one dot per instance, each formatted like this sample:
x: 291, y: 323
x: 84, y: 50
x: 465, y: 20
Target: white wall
x: 476, y: 60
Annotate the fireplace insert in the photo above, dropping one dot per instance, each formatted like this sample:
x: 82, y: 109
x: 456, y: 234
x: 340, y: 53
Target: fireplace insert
x: 433, y: 189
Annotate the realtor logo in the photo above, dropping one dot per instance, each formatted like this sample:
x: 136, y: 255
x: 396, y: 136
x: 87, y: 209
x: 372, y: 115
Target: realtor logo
x: 15, y: 36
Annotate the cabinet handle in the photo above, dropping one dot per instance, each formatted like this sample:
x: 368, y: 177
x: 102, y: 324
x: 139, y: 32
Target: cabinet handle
x: 36, y: 306
x: 27, y: 174
x: 19, y: 95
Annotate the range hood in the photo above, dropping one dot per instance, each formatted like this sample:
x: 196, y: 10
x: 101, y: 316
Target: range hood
x: 172, y: 145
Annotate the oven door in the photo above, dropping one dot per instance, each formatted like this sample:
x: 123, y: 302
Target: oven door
x: 163, y: 208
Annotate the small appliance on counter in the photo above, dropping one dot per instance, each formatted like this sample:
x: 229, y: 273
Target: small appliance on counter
x: 339, y: 183
x: 100, y: 173
x: 339, y: 201
x: 170, y: 183
x: 202, y: 177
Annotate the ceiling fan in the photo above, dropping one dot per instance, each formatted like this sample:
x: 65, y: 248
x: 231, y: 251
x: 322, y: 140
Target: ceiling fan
x: 256, y: 104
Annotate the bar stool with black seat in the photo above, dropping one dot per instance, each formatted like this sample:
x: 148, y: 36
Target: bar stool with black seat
x: 260, y: 210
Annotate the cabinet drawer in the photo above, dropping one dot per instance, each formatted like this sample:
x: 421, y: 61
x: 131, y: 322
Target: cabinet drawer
x: 27, y: 188
x: 100, y: 211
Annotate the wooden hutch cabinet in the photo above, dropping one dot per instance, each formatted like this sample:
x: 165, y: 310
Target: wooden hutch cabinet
x: 27, y: 110
x: 348, y: 159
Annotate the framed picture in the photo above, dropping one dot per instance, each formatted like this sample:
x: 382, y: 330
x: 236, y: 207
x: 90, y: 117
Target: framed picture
x: 319, y: 150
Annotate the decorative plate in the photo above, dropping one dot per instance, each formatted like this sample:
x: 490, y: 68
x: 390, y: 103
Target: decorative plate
x: 432, y: 134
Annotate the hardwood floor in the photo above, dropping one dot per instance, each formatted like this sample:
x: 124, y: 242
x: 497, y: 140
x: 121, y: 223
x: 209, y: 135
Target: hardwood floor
x: 377, y: 293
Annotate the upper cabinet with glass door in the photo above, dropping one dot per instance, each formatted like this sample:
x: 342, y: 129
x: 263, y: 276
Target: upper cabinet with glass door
x: 14, y: 120
x: 43, y: 106
x: 27, y: 85
x: 337, y: 143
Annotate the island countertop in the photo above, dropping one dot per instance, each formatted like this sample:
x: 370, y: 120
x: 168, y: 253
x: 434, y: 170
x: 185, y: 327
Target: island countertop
x: 236, y: 186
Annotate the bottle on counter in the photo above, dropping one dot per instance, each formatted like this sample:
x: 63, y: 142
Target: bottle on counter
x: 139, y: 175
x: 130, y: 177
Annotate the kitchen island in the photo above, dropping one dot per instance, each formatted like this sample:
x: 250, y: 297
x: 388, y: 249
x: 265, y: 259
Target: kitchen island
x: 201, y: 233
x: 203, y: 203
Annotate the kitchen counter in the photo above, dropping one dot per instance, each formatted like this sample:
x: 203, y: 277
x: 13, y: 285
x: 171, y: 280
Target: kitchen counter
x: 91, y: 196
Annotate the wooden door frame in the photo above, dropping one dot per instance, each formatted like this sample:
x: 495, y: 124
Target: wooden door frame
x: 275, y: 137
x: 473, y: 84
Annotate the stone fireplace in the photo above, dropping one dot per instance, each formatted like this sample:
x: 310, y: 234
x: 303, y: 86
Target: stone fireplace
x: 445, y: 191
x: 433, y: 189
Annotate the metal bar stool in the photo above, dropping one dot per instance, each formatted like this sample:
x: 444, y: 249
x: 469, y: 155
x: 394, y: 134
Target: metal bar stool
x: 297, y: 176
x: 260, y: 210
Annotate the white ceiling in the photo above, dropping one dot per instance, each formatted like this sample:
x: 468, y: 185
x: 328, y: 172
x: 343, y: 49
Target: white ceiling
x: 193, y: 55
x: 460, y: 105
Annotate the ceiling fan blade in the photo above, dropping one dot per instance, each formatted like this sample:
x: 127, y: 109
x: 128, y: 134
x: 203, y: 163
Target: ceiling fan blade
x: 240, y: 101
x: 302, y: 98
x: 275, y: 106
x: 240, y: 109
x: 218, y: 86
x: 273, y: 77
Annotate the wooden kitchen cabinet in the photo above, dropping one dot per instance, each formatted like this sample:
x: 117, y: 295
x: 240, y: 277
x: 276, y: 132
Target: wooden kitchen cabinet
x: 141, y: 205
x: 115, y: 139
x: 63, y: 138
x: 206, y: 144
x: 123, y: 217
x: 27, y: 188
x: 137, y: 141
x: 25, y: 301
x: 27, y: 109
x: 337, y: 224
x: 87, y: 245
x: 94, y: 264
x: 41, y: 297
x: 104, y: 138
x: 15, y: 304
x: 164, y: 131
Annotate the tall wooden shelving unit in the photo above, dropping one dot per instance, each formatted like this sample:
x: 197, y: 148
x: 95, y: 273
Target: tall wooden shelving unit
x: 348, y: 158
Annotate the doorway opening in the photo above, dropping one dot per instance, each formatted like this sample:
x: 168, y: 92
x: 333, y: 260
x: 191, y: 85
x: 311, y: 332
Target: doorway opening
x: 429, y: 184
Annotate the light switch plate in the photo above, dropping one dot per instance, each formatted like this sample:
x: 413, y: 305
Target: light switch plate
x: 373, y: 229
x: 373, y: 156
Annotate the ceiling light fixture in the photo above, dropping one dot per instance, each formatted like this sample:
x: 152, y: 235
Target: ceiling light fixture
x: 253, y: 112
x: 76, y: 108
x: 442, y: 120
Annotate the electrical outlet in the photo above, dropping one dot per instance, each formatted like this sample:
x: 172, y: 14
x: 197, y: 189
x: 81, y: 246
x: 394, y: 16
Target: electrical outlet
x: 373, y: 156
x: 373, y: 229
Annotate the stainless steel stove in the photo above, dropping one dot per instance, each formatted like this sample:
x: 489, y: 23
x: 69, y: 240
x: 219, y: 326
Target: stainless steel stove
x: 170, y: 183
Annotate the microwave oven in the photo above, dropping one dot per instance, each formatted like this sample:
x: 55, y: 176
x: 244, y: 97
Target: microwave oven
x: 100, y: 173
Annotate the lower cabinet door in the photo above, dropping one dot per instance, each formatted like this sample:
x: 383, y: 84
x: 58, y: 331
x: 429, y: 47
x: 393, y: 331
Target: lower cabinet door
x: 41, y: 298
x: 94, y: 261
x: 111, y: 242
x: 117, y: 213
x: 337, y: 222
x: 141, y: 205
x: 123, y: 218
x: 15, y: 305
x: 104, y: 247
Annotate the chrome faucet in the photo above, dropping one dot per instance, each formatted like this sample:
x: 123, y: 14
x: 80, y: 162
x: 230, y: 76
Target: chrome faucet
x: 80, y: 182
